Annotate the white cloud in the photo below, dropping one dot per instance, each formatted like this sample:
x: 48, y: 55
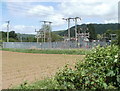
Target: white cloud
x: 106, y: 10
x: 40, y: 10
x: 90, y: 8
x: 47, y: 13
x: 19, y: 9
x: 56, y: 19
x: 3, y: 26
x: 82, y: 8
x: 35, y: 0
x: 24, y: 29
x: 111, y: 21
x: 19, y: 28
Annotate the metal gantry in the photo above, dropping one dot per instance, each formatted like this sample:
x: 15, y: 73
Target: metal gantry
x: 79, y: 35
x: 76, y: 37
x: 47, y: 29
x: 68, y: 20
x: 76, y: 18
x: 45, y: 32
x: 50, y: 30
x: 40, y: 34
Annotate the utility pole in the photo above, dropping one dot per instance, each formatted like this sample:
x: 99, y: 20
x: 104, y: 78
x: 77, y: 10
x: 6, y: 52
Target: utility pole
x: 50, y: 31
x: 50, y: 38
x: 68, y: 20
x: 69, y: 28
x: 8, y: 22
x: 76, y: 28
x: 37, y: 36
x: 44, y: 29
x: 21, y: 39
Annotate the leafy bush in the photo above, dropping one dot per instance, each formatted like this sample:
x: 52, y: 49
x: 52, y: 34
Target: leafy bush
x: 100, y: 70
x: 42, y: 84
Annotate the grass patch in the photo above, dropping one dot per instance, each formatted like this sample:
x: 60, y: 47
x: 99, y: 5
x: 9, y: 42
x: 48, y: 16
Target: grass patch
x: 51, y: 51
x: 48, y: 83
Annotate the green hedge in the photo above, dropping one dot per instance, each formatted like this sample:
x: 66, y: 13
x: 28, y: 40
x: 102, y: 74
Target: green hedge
x: 100, y: 70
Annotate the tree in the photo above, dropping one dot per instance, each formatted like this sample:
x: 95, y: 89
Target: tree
x: 31, y: 39
x: 99, y: 36
x: 56, y: 37
x: 3, y: 37
x: 12, y: 34
x: 91, y: 29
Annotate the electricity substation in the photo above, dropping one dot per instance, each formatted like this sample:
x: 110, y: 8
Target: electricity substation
x: 44, y: 37
x: 80, y: 38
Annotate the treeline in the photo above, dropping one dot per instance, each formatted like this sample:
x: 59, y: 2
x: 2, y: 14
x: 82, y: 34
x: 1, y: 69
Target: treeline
x: 17, y: 37
x: 12, y: 36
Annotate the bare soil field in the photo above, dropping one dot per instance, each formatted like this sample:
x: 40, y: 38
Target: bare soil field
x: 19, y: 67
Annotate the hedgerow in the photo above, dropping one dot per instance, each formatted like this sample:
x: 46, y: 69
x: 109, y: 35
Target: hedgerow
x: 99, y: 70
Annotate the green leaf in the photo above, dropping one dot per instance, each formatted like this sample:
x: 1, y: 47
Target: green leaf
x: 105, y: 85
x: 110, y: 73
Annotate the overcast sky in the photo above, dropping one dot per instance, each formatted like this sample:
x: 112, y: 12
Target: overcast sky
x: 25, y: 16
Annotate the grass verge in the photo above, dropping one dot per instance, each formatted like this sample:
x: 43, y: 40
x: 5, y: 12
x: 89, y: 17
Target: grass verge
x: 51, y: 51
x: 42, y: 84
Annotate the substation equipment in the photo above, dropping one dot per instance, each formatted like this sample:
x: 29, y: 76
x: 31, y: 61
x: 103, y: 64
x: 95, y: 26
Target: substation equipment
x: 81, y: 35
x: 45, y: 32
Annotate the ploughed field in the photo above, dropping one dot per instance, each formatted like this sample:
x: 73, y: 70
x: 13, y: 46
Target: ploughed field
x: 20, y: 67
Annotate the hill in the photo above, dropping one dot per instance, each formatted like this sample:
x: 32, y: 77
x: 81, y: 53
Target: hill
x: 58, y: 32
x: 25, y: 35
x: 99, y: 28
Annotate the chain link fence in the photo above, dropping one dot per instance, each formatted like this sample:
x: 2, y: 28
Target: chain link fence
x: 52, y: 45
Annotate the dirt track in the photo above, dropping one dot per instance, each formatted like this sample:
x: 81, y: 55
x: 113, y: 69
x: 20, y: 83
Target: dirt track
x: 19, y: 67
